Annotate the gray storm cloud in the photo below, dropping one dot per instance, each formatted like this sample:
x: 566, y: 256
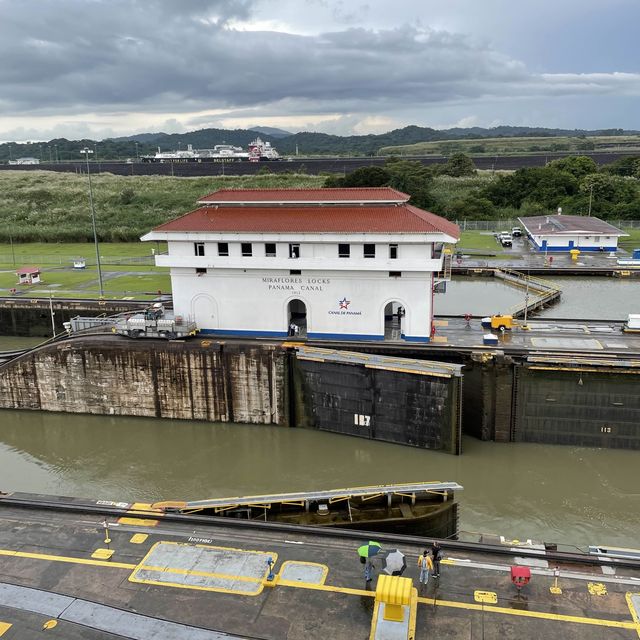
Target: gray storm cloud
x: 101, y: 56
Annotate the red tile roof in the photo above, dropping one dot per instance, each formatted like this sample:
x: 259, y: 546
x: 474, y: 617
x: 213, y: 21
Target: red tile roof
x: 312, y: 219
x: 363, y: 194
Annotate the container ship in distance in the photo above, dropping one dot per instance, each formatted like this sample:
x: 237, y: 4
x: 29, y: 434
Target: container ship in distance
x: 258, y: 151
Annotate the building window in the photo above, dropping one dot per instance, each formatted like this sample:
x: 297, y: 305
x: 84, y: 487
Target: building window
x: 369, y: 250
x: 200, y: 271
x: 344, y: 250
x: 247, y: 249
x: 223, y: 248
x: 198, y: 247
x: 393, y: 251
x: 395, y: 274
x: 295, y: 272
x: 294, y: 250
x: 270, y: 249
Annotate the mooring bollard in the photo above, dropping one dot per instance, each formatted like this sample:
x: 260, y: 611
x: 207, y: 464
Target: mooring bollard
x: 107, y: 539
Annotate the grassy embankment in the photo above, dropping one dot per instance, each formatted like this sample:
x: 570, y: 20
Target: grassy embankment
x: 47, y: 223
x: 53, y: 207
x: 509, y: 146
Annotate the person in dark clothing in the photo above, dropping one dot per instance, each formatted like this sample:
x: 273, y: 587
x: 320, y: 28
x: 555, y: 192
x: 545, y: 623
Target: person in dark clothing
x: 436, y: 553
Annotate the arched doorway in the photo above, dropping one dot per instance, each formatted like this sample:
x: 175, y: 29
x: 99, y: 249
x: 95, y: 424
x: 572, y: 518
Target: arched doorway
x: 394, y: 315
x: 204, y: 311
x: 296, y: 318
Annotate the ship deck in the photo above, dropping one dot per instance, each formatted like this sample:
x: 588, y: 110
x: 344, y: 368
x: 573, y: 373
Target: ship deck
x: 170, y: 578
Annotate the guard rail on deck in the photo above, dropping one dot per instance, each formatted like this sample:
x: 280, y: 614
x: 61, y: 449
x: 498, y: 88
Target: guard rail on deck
x: 543, y: 292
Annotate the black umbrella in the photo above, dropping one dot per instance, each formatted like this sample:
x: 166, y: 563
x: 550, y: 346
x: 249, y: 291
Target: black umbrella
x: 394, y: 563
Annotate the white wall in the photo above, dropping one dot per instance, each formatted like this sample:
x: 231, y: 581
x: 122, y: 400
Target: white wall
x: 584, y: 242
x: 256, y: 301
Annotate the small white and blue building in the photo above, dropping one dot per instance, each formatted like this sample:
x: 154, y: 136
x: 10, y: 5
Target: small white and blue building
x: 350, y: 264
x: 564, y: 233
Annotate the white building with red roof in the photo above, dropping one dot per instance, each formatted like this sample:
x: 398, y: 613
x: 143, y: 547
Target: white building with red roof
x: 352, y: 264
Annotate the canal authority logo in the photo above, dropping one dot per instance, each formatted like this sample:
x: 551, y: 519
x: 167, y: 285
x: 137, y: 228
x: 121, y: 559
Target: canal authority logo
x: 343, y: 309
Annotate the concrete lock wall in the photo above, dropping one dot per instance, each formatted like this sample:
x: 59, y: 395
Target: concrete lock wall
x: 377, y: 404
x: 193, y: 380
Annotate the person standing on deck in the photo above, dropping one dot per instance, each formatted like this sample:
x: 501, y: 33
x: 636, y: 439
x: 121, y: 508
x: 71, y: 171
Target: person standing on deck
x: 436, y: 551
x: 426, y: 566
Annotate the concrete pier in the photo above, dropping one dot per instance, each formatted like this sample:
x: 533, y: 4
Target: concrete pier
x: 134, y: 574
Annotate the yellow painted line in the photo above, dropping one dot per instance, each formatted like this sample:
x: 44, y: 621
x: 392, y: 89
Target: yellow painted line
x: 50, y: 558
x: 440, y: 323
x: 541, y: 615
x: 441, y: 339
x: 634, y: 613
x: 141, y: 522
x: 4, y: 627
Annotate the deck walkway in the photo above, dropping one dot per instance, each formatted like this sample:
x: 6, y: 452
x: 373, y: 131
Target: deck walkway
x: 164, y: 579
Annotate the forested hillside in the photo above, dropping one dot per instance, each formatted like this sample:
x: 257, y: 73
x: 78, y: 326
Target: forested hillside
x: 306, y: 143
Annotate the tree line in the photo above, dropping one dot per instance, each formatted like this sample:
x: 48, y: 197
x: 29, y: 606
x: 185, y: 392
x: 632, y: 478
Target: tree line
x: 575, y: 183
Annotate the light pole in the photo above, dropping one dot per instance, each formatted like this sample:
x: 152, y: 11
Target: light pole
x: 86, y: 152
x: 137, y: 154
x: 590, y: 198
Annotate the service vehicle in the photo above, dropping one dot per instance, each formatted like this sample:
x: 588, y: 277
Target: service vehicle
x: 505, y: 239
x: 155, y: 322
x: 516, y: 232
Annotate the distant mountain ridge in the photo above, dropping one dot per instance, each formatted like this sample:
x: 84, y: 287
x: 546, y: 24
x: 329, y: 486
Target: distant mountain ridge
x: 305, y: 143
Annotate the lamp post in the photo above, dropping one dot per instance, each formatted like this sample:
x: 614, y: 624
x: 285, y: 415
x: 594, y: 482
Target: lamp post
x: 87, y: 152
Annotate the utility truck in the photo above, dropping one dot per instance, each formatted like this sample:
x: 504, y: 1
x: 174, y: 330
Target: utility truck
x: 155, y: 322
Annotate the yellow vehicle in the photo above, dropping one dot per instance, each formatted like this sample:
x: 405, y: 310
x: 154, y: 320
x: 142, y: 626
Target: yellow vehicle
x: 501, y: 322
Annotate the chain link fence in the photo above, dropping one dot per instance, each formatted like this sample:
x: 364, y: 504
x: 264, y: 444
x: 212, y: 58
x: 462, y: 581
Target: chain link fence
x: 66, y: 261
x: 505, y: 225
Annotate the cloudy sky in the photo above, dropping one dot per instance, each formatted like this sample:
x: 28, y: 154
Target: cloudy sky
x: 100, y: 68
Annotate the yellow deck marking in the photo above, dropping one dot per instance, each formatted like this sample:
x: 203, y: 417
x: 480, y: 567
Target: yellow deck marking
x: 486, y: 597
x: 557, y: 617
x: 325, y: 570
x: 138, y: 522
x: 4, y: 626
x: 441, y: 339
x: 192, y: 572
x: 102, y: 554
x: 50, y: 558
x: 634, y: 614
x: 138, y: 538
x: 541, y: 615
x: 440, y: 323
x: 597, y: 589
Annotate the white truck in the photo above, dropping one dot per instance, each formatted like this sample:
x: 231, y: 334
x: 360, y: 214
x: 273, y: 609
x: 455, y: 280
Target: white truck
x: 505, y: 239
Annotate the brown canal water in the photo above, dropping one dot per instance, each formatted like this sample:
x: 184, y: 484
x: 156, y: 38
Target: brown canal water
x: 557, y: 494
